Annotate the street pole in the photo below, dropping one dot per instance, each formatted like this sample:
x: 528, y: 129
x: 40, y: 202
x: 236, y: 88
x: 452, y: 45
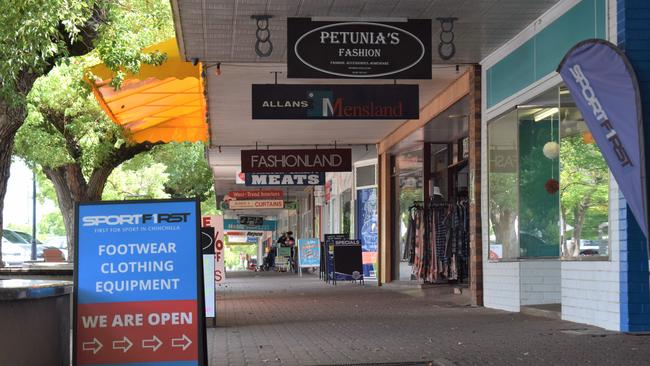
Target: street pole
x: 34, y: 215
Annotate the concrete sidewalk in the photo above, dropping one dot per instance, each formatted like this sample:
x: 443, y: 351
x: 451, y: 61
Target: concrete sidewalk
x: 281, y: 319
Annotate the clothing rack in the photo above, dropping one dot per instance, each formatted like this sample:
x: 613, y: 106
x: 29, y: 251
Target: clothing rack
x: 437, y: 242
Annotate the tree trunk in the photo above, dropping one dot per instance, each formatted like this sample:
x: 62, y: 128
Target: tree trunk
x: 71, y: 187
x: 10, y: 120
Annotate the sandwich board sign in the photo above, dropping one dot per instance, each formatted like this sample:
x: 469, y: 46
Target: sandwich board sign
x: 138, y: 296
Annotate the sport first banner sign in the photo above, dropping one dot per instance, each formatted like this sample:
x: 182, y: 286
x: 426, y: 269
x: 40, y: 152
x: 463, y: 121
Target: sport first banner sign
x: 138, y: 295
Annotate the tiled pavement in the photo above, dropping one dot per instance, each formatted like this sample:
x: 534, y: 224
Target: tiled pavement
x: 281, y: 319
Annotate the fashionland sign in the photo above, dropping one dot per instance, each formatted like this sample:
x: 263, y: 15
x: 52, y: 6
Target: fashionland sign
x: 321, y: 101
x: 359, y: 49
x: 285, y: 179
x: 295, y: 161
x: 138, y: 284
x: 605, y: 89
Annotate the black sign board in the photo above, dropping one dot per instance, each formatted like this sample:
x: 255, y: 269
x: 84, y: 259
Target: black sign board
x: 285, y: 179
x: 207, y: 240
x: 292, y: 161
x: 251, y: 220
x: 322, y: 101
x: 348, y: 259
x: 359, y: 49
x: 330, y: 239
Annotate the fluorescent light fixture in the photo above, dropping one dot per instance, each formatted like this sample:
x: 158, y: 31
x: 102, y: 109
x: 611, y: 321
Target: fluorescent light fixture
x: 545, y: 114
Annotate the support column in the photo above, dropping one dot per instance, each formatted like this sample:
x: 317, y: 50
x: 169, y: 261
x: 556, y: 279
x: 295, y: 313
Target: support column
x: 633, y: 23
x: 475, y: 237
x: 385, y: 227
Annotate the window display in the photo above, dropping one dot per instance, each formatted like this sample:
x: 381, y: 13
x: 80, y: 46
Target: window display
x: 548, y: 183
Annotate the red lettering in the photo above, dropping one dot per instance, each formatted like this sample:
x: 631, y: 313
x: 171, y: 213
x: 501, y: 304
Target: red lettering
x: 206, y: 221
x: 218, y: 276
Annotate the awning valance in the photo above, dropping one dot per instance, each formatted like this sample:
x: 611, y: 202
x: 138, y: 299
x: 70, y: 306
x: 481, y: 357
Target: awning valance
x: 161, y: 103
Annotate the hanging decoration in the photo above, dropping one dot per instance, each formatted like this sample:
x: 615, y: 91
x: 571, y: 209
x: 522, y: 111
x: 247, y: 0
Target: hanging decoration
x: 552, y: 186
x: 446, y: 48
x: 551, y: 150
x: 263, y: 35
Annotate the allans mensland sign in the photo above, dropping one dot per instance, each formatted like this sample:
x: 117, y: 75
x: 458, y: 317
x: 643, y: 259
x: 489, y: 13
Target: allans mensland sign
x: 320, y: 101
x: 359, y: 49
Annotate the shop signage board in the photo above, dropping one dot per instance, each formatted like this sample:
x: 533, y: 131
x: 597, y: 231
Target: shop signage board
x: 337, y: 102
x: 309, y: 252
x: 606, y: 91
x: 217, y: 223
x: 367, y: 228
x: 285, y: 179
x: 207, y: 250
x: 291, y: 205
x: 251, y: 220
x: 138, y: 294
x: 306, y: 160
x: 234, y: 224
x: 359, y: 49
x: 259, y: 195
x: 255, y: 204
x: 348, y: 262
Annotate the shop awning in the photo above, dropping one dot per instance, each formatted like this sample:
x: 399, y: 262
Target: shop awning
x: 161, y: 103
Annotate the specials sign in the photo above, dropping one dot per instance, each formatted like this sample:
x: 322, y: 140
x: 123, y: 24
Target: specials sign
x: 296, y: 161
x: 307, y: 101
x: 359, y: 49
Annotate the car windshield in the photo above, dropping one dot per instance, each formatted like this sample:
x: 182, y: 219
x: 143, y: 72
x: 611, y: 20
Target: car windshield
x: 26, y: 237
x: 13, y: 237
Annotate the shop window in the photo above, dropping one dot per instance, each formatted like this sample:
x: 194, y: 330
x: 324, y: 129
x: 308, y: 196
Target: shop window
x: 503, y: 187
x: 346, y: 211
x: 548, y: 183
x: 366, y: 175
x: 584, y: 187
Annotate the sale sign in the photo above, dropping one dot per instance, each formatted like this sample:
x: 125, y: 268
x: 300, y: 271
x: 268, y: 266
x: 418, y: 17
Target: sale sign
x: 138, y: 284
x: 216, y: 222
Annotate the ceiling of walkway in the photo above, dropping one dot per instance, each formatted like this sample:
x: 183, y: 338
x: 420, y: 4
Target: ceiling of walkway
x: 223, y: 31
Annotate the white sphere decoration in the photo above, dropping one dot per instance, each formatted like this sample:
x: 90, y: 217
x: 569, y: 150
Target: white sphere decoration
x: 551, y: 150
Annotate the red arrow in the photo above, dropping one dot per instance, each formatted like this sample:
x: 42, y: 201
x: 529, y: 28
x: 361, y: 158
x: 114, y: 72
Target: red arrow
x: 153, y: 343
x: 94, y: 346
x: 123, y: 344
x: 183, y: 342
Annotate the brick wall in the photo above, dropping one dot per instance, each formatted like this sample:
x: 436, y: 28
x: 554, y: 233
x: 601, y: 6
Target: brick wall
x: 633, y: 27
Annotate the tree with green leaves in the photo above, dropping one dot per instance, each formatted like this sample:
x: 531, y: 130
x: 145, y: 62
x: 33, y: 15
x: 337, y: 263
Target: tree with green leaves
x: 584, y: 191
x: 34, y: 36
x: 68, y: 135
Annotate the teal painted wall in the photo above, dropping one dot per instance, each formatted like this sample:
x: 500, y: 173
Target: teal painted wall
x: 540, y: 55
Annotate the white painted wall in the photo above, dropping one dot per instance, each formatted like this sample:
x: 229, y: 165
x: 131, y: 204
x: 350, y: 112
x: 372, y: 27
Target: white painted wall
x: 501, y: 285
x: 540, y: 282
x: 591, y: 290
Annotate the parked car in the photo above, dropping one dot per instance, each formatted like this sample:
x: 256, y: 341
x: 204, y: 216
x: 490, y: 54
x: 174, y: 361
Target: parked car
x: 13, y: 254
x: 24, y: 240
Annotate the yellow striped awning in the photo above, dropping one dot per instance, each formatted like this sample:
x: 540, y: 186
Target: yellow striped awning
x: 161, y: 103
